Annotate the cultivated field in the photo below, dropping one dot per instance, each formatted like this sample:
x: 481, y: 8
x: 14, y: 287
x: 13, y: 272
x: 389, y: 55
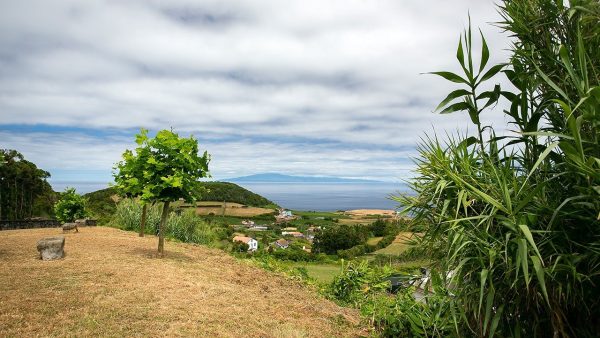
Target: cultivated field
x: 231, y: 209
x: 399, y: 245
x: 111, y: 284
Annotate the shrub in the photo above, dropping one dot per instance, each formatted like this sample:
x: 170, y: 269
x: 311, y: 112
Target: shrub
x: 70, y: 206
x: 184, y: 226
x: 339, y: 237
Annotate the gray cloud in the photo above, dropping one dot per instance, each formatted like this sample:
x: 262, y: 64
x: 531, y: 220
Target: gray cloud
x: 256, y: 75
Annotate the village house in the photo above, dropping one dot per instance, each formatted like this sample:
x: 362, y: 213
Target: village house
x: 281, y: 243
x: 290, y: 229
x: 284, y: 216
x: 252, y: 243
x: 248, y: 223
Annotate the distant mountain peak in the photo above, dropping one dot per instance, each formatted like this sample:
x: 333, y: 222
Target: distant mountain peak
x: 282, y: 178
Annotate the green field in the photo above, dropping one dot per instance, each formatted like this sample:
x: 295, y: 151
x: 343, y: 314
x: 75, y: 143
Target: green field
x: 322, y: 273
x: 393, y: 249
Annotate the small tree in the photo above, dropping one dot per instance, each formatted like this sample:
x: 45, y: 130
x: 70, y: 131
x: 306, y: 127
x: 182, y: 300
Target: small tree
x: 70, y: 206
x: 171, y: 172
x: 129, y: 173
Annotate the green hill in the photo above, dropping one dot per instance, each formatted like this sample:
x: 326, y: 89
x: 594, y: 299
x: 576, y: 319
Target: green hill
x: 230, y: 192
x: 102, y: 206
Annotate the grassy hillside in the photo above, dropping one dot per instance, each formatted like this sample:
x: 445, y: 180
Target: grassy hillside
x: 230, y: 192
x: 110, y: 284
x: 102, y: 206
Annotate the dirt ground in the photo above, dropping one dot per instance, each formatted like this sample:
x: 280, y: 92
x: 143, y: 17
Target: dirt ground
x: 111, y: 284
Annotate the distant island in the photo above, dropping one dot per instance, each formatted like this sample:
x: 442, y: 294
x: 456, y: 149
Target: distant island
x: 280, y: 178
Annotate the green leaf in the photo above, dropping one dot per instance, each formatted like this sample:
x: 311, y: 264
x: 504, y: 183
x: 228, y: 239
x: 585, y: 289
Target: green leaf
x: 522, y: 257
x: 539, y: 272
x: 455, y: 94
x: 525, y: 229
x: 491, y: 72
x: 460, y: 53
x: 451, y: 77
x: 482, y: 280
x: 552, y: 84
x: 485, y: 53
x: 460, y: 106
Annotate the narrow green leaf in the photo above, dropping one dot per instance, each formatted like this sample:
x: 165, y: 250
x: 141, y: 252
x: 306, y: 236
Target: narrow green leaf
x: 489, y: 303
x: 455, y: 94
x: 460, y: 106
x: 539, y: 271
x: 552, y: 84
x: 491, y: 72
x: 522, y: 257
x: 525, y: 229
x: 496, y: 320
x: 482, y: 280
x: 537, y: 163
x: 451, y: 77
x: 485, y: 53
x: 460, y: 55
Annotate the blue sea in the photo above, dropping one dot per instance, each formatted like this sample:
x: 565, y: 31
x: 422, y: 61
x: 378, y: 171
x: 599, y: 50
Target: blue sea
x: 300, y: 195
x: 329, y: 196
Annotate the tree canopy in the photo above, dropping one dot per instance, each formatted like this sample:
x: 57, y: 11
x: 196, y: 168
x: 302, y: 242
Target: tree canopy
x: 164, y: 168
x: 70, y: 206
x: 24, y: 189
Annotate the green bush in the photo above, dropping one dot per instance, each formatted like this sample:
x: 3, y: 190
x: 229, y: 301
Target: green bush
x: 366, y: 288
x: 183, y: 226
x: 339, y: 237
x: 70, y: 206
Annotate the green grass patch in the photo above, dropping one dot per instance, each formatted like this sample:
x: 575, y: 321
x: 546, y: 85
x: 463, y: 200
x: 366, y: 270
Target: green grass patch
x: 374, y: 240
x: 322, y: 273
x: 393, y: 249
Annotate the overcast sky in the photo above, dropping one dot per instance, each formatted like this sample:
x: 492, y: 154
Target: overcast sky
x: 297, y: 87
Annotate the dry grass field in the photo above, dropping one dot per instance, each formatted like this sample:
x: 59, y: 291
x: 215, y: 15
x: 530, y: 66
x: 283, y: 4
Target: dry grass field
x: 231, y: 209
x: 370, y: 212
x: 111, y: 284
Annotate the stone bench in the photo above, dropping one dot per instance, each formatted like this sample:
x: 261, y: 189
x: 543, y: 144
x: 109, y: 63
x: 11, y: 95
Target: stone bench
x: 70, y: 226
x: 51, y: 248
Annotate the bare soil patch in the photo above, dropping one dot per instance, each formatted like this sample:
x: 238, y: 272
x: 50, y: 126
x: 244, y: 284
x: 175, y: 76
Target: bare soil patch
x: 111, y: 284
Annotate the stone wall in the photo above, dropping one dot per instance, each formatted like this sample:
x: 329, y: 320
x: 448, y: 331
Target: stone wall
x: 29, y: 224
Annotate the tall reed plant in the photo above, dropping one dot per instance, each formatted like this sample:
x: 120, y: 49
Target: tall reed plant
x: 513, y: 222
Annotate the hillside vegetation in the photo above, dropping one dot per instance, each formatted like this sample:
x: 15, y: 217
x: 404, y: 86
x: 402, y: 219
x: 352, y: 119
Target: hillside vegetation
x: 111, y: 284
x: 230, y: 192
x: 101, y: 204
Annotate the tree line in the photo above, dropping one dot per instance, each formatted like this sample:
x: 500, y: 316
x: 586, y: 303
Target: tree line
x: 24, y: 189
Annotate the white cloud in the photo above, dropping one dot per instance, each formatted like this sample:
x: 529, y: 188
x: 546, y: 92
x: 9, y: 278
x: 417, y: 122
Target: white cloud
x: 344, y: 73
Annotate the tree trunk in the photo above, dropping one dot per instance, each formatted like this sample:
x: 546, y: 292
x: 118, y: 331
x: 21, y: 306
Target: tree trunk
x: 143, y: 224
x: 161, y: 229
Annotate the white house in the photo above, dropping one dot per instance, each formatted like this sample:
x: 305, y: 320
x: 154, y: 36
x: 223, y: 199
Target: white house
x: 252, y: 243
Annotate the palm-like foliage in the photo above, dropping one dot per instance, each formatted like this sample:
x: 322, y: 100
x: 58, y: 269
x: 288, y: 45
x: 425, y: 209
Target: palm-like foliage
x: 515, y: 222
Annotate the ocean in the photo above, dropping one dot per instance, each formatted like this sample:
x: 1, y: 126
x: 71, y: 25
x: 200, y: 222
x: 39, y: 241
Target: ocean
x: 300, y: 195
x: 329, y: 196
